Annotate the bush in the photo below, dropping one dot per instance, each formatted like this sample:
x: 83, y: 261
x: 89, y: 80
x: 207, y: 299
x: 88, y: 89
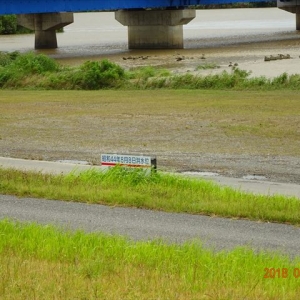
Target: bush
x: 35, y: 64
x: 281, y: 80
x: 8, y: 24
x: 4, y: 59
x: 294, y: 81
x: 16, y: 67
x: 95, y: 75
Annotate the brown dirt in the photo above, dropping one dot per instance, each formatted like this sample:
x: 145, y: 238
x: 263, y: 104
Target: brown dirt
x: 231, y: 133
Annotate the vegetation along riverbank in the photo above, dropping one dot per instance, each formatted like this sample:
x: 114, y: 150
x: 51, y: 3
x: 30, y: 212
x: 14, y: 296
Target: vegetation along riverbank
x: 30, y: 71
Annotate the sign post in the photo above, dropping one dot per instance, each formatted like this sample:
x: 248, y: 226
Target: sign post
x: 131, y: 161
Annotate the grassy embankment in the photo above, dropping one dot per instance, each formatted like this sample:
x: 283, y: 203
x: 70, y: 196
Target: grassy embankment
x: 158, y: 191
x: 46, y: 263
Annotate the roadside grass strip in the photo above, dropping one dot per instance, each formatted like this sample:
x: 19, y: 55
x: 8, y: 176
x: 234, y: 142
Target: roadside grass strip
x: 49, y: 263
x: 159, y: 191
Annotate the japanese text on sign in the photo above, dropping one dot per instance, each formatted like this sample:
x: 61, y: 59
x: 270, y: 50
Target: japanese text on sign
x: 125, y: 160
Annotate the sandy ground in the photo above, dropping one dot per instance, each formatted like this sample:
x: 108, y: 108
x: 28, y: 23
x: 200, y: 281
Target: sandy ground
x: 252, y: 57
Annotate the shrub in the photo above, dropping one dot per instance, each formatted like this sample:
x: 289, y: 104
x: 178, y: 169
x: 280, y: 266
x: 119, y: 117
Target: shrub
x: 7, y: 58
x: 95, y: 75
x: 281, y: 80
x: 4, y: 59
x: 8, y: 24
x: 35, y: 64
x: 16, y: 67
x: 294, y: 81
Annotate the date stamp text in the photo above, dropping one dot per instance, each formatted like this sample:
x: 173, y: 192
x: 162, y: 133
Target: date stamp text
x: 281, y: 273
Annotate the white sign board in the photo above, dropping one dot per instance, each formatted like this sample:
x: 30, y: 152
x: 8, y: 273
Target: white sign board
x: 133, y: 161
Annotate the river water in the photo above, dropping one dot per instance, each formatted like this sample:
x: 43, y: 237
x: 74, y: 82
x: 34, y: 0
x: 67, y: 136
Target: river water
x: 223, y: 35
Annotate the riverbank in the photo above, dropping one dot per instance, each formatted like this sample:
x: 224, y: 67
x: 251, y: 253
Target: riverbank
x: 232, y: 133
x: 244, y: 37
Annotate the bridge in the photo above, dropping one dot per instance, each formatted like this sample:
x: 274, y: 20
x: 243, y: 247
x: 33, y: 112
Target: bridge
x: 152, y: 24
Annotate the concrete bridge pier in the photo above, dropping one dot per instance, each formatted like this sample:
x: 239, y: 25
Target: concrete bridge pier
x: 155, y: 29
x: 45, y: 26
x: 298, y: 20
x: 292, y: 6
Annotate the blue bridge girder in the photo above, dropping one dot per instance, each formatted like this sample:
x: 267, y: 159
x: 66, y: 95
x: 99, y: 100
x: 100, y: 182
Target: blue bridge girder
x: 51, y: 6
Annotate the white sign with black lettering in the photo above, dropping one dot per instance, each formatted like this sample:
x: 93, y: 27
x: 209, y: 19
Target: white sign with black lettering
x: 133, y: 161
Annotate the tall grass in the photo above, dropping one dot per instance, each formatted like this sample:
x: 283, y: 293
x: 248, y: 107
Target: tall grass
x: 48, y: 263
x: 17, y: 69
x: 41, y: 72
x: 158, y: 191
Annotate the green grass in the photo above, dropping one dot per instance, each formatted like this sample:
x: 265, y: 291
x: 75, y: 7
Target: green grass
x: 48, y: 263
x: 30, y: 71
x: 158, y: 192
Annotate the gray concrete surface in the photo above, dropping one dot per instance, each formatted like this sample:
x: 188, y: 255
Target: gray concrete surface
x: 252, y: 186
x: 139, y: 224
x: 255, y: 186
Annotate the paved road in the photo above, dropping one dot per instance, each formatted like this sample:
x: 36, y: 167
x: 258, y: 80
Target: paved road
x: 218, y: 233
x: 138, y: 224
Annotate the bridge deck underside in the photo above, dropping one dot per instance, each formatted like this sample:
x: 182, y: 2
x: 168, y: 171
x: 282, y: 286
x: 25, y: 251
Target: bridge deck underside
x: 38, y: 6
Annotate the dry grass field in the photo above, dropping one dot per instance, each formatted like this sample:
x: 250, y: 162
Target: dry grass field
x: 234, y: 133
